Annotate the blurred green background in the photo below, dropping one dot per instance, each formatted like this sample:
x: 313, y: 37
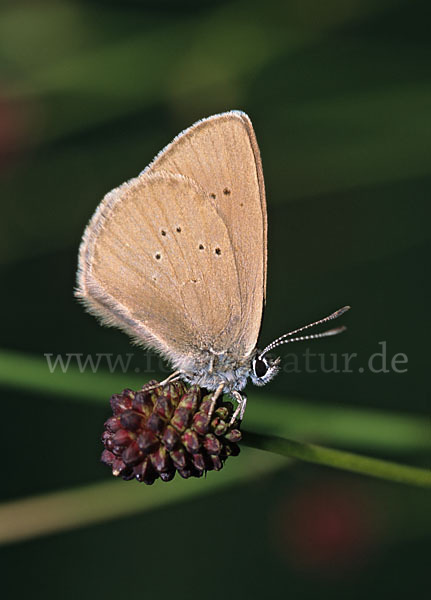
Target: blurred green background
x: 340, y: 96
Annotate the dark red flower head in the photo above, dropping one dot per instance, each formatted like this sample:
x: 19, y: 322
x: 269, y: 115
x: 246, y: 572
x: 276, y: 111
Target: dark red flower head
x: 157, y: 431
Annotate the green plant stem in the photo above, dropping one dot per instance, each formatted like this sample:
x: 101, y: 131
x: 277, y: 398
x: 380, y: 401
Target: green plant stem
x: 339, y: 459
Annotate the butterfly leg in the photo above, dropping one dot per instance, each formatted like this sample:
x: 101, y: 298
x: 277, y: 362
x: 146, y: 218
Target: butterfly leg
x: 172, y: 377
x: 240, y: 409
x: 215, y: 397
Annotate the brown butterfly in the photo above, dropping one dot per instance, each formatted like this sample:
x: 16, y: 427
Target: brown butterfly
x: 177, y: 258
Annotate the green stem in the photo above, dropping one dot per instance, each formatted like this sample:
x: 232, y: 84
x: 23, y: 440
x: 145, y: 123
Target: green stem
x: 339, y: 459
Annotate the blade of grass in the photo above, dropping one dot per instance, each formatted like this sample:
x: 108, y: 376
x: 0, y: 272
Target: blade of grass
x: 45, y: 514
x: 359, y: 428
x: 87, y: 505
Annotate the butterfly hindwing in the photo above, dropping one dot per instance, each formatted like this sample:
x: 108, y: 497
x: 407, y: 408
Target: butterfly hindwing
x: 156, y: 260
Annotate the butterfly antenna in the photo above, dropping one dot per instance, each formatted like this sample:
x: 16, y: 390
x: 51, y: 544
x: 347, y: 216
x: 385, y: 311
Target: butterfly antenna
x: 282, y: 339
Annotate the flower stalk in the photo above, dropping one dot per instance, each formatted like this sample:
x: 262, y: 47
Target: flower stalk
x: 339, y: 459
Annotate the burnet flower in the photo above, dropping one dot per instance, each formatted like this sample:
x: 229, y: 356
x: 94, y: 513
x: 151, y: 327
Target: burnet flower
x: 157, y: 431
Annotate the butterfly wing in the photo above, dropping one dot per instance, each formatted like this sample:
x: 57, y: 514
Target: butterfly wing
x: 221, y: 154
x: 156, y: 260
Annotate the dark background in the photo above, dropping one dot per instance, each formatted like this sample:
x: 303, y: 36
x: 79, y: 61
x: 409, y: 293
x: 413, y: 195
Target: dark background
x: 339, y: 94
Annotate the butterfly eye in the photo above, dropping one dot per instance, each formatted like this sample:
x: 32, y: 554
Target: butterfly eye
x: 260, y: 367
x: 264, y: 369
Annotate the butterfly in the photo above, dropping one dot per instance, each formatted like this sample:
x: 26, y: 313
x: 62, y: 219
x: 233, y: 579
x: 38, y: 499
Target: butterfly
x: 177, y: 258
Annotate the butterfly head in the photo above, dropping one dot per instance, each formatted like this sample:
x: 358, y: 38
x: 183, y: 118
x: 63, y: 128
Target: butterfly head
x: 264, y: 369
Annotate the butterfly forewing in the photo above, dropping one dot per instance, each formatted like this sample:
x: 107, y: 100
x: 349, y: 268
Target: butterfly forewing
x: 157, y: 261
x: 221, y: 154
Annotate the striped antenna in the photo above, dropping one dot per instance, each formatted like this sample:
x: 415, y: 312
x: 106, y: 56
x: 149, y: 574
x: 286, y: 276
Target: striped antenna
x: 282, y: 339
